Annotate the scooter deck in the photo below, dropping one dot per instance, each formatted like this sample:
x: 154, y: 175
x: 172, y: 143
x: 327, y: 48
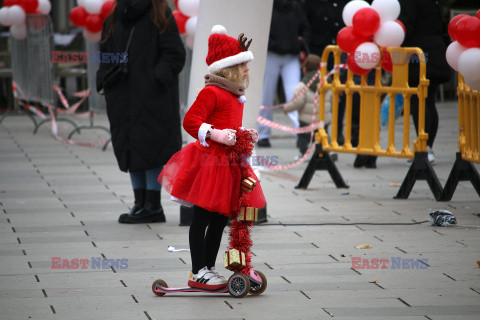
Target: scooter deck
x: 161, y: 289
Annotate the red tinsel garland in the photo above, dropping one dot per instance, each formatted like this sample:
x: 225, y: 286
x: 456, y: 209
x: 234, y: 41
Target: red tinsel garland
x: 240, y: 230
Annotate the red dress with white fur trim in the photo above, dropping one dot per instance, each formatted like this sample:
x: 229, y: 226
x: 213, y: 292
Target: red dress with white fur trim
x: 203, y: 175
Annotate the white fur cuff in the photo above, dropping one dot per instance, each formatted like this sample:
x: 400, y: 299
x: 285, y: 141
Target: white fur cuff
x: 239, y: 58
x: 202, y: 133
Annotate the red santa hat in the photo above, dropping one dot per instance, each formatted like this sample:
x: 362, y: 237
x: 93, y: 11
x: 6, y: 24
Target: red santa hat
x: 225, y: 51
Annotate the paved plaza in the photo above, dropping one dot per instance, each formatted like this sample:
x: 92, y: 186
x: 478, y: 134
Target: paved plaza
x: 61, y: 202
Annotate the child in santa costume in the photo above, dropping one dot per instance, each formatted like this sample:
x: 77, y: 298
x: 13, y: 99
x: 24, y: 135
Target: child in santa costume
x: 207, y: 174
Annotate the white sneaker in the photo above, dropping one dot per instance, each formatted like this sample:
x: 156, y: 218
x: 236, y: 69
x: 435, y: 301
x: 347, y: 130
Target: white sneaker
x: 214, y: 271
x: 431, y: 156
x: 206, y: 279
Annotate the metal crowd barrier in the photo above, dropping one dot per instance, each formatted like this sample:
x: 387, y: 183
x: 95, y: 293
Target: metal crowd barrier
x: 369, y: 121
x: 468, y: 141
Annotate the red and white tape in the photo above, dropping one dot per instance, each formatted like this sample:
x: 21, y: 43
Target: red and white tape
x: 83, y: 94
x: 268, y: 165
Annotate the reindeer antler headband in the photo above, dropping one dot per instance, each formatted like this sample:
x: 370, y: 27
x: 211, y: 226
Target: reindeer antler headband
x: 242, y: 40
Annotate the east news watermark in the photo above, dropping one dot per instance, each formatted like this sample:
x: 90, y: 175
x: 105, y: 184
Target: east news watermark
x: 94, y: 263
x: 394, y: 263
x: 85, y: 57
x: 397, y: 57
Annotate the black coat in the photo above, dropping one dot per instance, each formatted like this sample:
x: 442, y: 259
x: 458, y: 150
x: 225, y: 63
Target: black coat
x: 325, y: 20
x: 143, y: 109
x: 288, y: 23
x: 424, y: 24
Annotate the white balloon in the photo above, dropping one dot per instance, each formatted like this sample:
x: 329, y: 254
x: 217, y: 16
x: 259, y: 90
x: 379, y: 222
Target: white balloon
x: 189, y: 7
x: 469, y: 64
x: 453, y: 53
x: 93, y: 6
x: 4, y: 19
x: 189, y: 40
x: 16, y: 15
x: 390, y: 34
x: 191, y: 26
x: 350, y: 9
x: 81, y: 3
x: 44, y: 6
x: 92, y: 37
x: 367, y: 55
x: 19, y: 32
x: 474, y: 85
x: 388, y: 10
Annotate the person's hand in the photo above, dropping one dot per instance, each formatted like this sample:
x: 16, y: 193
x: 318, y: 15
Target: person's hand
x: 225, y: 136
x: 254, y: 135
x: 285, y: 112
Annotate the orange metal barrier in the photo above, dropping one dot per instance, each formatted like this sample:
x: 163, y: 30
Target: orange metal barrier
x: 468, y: 140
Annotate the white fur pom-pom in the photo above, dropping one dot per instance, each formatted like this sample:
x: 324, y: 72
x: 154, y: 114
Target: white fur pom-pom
x: 218, y: 29
x: 242, y: 99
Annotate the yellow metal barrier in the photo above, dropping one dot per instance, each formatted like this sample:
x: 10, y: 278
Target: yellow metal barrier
x: 468, y: 141
x: 369, y: 121
x: 370, y: 101
x: 468, y: 121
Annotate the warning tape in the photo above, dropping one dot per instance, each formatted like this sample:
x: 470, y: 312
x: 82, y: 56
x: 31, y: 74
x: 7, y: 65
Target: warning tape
x: 51, y: 110
x: 268, y: 165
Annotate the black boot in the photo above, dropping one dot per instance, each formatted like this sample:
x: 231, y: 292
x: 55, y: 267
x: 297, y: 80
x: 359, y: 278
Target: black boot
x: 360, y: 161
x: 371, y: 162
x: 139, y: 195
x: 151, y: 212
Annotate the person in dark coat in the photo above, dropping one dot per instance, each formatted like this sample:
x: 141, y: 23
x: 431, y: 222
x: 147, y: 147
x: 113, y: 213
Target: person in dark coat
x: 143, y: 108
x: 325, y: 20
x: 424, y: 24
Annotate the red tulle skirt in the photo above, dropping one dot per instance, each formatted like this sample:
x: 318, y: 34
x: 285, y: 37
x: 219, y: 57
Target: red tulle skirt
x: 206, y: 177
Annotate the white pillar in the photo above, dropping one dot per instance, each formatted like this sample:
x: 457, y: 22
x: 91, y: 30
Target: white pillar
x: 251, y: 17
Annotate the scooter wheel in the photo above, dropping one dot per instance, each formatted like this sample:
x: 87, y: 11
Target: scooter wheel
x: 256, y: 289
x: 159, y: 283
x: 238, y: 285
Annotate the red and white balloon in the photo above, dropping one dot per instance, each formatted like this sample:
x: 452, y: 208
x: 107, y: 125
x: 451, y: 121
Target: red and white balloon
x: 13, y: 14
x: 91, y: 15
x: 367, y: 29
x: 463, y: 54
x: 186, y: 19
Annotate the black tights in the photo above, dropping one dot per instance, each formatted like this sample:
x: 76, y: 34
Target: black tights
x: 204, y: 246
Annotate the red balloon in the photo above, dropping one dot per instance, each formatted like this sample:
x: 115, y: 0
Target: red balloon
x: 478, y: 14
x: 94, y: 23
x: 30, y: 6
x: 107, y: 8
x: 353, y: 66
x: 452, y: 25
x: 176, y: 3
x: 467, y: 32
x: 348, y: 40
x: 387, y: 64
x: 78, y: 16
x: 366, y: 22
x: 9, y: 3
x: 180, y: 19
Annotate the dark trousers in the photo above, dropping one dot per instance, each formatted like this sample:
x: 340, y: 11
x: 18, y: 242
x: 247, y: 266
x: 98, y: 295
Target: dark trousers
x: 205, y: 235
x: 431, y: 114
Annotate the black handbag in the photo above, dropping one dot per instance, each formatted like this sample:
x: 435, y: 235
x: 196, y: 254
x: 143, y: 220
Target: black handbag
x: 119, y: 71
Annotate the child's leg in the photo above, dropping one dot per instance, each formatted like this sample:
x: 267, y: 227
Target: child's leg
x: 214, y: 238
x: 200, y: 220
